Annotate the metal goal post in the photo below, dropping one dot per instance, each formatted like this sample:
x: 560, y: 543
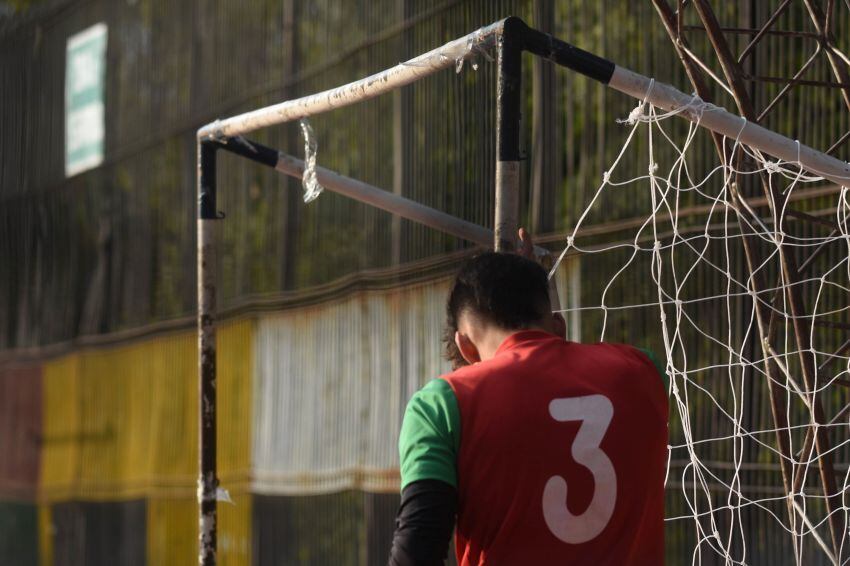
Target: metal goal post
x: 510, y: 38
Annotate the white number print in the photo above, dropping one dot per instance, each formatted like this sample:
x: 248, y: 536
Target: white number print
x: 595, y: 413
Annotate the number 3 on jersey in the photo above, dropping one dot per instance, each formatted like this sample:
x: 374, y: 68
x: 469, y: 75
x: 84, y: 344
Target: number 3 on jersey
x: 595, y: 413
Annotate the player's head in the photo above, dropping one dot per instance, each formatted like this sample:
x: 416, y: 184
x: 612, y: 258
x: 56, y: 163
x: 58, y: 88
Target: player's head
x: 495, y: 293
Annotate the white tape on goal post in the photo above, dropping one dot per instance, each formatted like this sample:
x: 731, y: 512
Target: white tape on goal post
x: 451, y: 54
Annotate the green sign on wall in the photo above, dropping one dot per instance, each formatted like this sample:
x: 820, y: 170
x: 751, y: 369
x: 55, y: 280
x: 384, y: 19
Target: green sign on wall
x: 85, y: 72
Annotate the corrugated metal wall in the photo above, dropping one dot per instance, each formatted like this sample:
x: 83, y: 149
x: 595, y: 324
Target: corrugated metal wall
x: 172, y: 530
x: 121, y: 422
x: 332, y: 383
x: 20, y: 430
x: 119, y: 452
x: 20, y: 434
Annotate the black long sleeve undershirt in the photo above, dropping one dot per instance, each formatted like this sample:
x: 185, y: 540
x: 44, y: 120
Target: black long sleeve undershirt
x: 424, y: 525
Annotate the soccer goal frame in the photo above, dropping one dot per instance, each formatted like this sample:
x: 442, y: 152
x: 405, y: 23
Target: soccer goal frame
x: 509, y: 38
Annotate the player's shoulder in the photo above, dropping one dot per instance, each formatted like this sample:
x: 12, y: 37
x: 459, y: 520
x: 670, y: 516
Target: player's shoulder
x: 478, y: 371
x: 436, y: 393
x: 468, y: 380
x: 465, y: 374
x: 637, y: 359
x: 617, y: 351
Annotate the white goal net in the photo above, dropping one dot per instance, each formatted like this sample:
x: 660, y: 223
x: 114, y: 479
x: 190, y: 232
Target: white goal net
x: 741, y: 271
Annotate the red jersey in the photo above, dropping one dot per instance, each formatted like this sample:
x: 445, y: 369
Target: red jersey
x: 562, y: 455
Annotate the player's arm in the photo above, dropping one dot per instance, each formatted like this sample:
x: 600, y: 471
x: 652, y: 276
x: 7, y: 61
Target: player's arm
x: 428, y: 445
x: 426, y: 519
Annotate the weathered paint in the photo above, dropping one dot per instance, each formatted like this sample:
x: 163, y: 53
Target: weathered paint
x: 20, y: 431
x: 357, y: 91
x: 122, y: 422
x: 332, y: 382
x: 134, y: 425
x: 61, y: 421
x: 207, y: 394
x: 235, y: 402
x: 507, y: 205
x: 508, y: 81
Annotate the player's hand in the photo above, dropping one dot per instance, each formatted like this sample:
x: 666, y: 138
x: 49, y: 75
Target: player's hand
x: 526, y: 244
x: 529, y: 250
x: 526, y: 249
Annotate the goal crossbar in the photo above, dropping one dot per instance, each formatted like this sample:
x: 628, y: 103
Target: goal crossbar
x: 362, y: 192
x: 367, y: 194
x: 640, y: 87
x: 509, y: 38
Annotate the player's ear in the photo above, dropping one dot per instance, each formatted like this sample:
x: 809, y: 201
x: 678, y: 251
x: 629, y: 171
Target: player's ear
x: 466, y: 348
x: 559, y: 325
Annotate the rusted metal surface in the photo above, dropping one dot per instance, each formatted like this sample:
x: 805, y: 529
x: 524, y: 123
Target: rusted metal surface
x: 794, y: 81
x: 839, y: 61
x: 672, y: 23
x: 507, y: 205
x: 724, y: 55
x: 207, y: 478
x: 508, y: 81
x: 763, y: 30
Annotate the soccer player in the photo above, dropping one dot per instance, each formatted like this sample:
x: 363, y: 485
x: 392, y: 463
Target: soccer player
x: 540, y: 450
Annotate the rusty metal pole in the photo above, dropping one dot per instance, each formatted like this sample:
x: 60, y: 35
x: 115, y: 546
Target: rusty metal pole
x: 207, y: 479
x: 508, y: 79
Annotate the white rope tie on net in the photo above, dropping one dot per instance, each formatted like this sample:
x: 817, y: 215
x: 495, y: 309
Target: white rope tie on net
x: 637, y: 114
x: 312, y: 187
x: 695, y: 107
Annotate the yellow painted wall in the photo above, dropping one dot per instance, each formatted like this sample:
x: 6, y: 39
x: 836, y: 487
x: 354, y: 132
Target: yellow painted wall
x: 45, y: 535
x: 173, y: 531
x: 235, y: 403
x: 60, y: 457
x: 122, y: 422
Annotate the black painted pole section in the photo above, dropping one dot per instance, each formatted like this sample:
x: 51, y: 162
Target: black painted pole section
x: 207, y: 478
x: 509, y: 62
x: 566, y: 55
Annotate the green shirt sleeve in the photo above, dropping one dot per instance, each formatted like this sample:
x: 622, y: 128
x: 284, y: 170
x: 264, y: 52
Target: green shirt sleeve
x: 430, y: 435
x: 664, y: 378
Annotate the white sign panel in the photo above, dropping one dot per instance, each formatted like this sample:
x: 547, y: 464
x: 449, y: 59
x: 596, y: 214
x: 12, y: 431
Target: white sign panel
x: 85, y: 73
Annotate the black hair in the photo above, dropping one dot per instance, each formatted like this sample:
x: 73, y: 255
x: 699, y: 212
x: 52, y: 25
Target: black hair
x: 504, y: 289
x: 452, y: 353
